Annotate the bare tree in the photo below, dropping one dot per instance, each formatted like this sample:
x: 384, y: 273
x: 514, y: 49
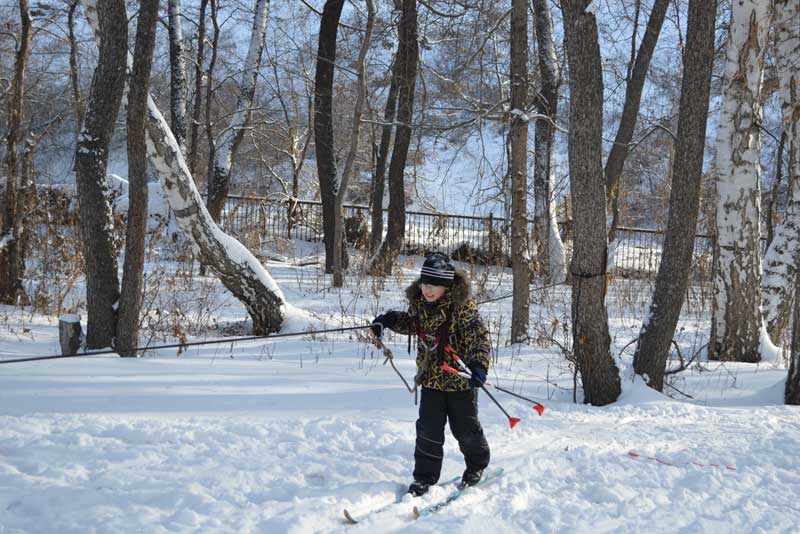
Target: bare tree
x: 407, y: 57
x: 633, y: 96
x: 12, y: 257
x: 792, y: 391
x: 136, y: 229
x: 73, y: 62
x: 591, y: 340
x: 550, y: 248
x: 518, y: 166
x: 653, y: 346
x: 91, y: 159
x: 236, y: 267
x: 230, y: 138
x: 178, y: 84
x: 379, y: 177
x: 194, y: 125
x: 323, y: 122
x: 338, y: 233
x: 783, y: 254
x: 736, y: 315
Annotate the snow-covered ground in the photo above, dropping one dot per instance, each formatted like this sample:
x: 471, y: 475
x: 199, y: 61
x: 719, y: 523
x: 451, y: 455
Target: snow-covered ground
x: 280, y: 436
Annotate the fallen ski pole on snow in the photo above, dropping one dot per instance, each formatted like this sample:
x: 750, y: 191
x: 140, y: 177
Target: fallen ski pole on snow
x: 512, y: 421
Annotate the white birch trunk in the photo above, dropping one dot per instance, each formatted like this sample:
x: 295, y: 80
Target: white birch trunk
x: 237, y: 268
x: 780, y: 262
x: 736, y: 322
x: 178, y: 84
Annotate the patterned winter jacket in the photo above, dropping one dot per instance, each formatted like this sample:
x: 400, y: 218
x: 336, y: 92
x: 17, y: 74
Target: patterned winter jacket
x: 468, y: 336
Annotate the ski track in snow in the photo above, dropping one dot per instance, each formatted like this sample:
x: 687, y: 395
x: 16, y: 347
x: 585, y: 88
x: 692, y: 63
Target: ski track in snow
x: 281, y: 439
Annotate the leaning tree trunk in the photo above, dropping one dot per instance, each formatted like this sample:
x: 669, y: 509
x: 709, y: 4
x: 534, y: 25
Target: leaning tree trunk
x: 783, y: 254
x: 91, y: 159
x: 633, y: 98
x: 408, y: 56
x: 518, y: 170
x: 550, y: 248
x: 379, y: 178
x: 12, y: 262
x: 736, y: 315
x: 237, y: 268
x: 591, y: 340
x: 653, y: 346
x: 323, y: 122
x: 136, y: 229
x: 177, y: 69
x: 361, y: 87
x: 231, y: 137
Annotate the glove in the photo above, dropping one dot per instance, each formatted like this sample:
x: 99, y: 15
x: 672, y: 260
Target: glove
x: 478, y: 375
x: 387, y: 320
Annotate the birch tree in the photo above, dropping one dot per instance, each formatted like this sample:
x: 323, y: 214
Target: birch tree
x: 91, y: 160
x: 657, y: 331
x: 736, y: 315
x: 238, y: 270
x: 230, y: 138
x: 379, y: 177
x: 550, y: 248
x: 12, y: 258
x: 783, y: 254
x: 518, y: 166
x: 177, y: 68
x: 407, y: 57
x: 194, y: 125
x: 591, y: 340
x: 136, y: 228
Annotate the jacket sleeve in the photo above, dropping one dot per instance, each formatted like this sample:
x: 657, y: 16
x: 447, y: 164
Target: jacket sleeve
x: 475, y: 344
x: 405, y: 321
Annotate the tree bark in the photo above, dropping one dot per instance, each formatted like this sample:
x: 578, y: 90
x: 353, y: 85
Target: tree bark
x: 73, y: 63
x: 231, y: 137
x: 12, y: 258
x: 408, y: 58
x: 136, y: 230
x: 237, y: 268
x: 194, y: 126
x: 783, y: 254
x: 792, y: 390
x: 549, y: 246
x: 177, y: 67
x: 91, y: 159
x: 658, y: 329
x: 736, y: 315
x: 361, y: 85
x: 633, y: 98
x: 323, y: 122
x: 518, y: 170
x: 379, y: 179
x: 591, y: 340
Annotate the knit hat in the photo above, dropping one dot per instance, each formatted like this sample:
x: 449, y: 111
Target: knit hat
x: 437, y: 270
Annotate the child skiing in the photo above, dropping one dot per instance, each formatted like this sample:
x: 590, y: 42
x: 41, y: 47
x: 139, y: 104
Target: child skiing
x: 446, y: 322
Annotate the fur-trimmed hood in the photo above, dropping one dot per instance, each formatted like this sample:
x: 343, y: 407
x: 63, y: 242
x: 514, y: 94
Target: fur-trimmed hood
x: 459, y: 292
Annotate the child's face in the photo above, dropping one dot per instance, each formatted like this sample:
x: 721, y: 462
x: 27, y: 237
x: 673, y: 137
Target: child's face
x: 431, y: 292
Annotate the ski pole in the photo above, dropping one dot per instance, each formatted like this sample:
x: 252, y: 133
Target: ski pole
x: 512, y: 421
x: 538, y: 406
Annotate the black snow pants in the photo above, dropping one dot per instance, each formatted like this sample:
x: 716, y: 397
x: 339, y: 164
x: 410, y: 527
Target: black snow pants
x: 435, y: 408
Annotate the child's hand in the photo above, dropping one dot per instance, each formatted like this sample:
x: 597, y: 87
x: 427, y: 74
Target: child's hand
x: 478, y: 375
x: 381, y: 322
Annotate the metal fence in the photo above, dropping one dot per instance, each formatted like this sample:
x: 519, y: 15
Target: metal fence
x: 468, y: 238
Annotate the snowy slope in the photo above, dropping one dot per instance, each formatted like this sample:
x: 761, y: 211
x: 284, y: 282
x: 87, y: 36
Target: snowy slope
x: 281, y: 436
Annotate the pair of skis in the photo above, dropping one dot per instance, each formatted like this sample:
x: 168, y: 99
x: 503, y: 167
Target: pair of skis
x: 422, y: 511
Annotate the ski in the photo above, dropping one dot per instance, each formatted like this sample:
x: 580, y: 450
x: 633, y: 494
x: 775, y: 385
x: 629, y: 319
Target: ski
x: 352, y: 520
x: 455, y: 494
